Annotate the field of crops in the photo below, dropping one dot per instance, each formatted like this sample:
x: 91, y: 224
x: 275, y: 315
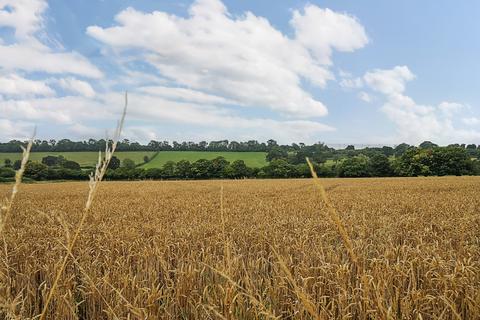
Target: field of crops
x: 252, y: 159
x: 85, y: 159
x: 260, y: 249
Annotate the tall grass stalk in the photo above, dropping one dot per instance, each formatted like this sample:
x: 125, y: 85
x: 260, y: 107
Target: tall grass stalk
x: 95, y: 179
x: 6, y: 207
x: 226, y: 239
x: 333, y: 214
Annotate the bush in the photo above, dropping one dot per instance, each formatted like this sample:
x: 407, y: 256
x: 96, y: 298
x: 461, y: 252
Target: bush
x: 7, y: 173
x: 36, y: 171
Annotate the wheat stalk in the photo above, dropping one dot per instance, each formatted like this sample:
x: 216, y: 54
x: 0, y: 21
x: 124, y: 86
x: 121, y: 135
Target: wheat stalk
x: 6, y: 208
x: 333, y: 215
x: 95, y: 179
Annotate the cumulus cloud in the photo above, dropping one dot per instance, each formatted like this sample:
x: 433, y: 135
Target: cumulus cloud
x: 185, y: 95
x: 389, y: 81
x: 77, y: 86
x: 243, y: 59
x: 322, y: 30
x: 353, y: 83
x: 15, y: 129
x: 15, y: 85
x: 28, y: 53
x: 471, y: 121
x: 25, y: 16
x: 207, y: 69
x: 365, y: 97
x: 415, y: 122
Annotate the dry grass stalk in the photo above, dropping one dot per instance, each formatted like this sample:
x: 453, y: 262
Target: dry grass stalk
x: 307, y: 302
x: 6, y: 207
x: 226, y: 239
x: 333, y: 214
x: 95, y: 179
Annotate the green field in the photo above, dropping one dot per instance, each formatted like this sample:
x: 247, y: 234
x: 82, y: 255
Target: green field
x: 252, y: 159
x: 85, y: 159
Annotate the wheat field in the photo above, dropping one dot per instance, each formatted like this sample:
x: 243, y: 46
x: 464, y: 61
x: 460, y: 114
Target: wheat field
x: 245, y: 249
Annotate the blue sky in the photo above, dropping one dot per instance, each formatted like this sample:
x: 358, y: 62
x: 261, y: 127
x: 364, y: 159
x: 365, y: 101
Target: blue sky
x: 361, y: 72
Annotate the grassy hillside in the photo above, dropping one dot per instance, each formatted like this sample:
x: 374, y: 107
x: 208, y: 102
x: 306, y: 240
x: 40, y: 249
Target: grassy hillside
x: 252, y: 159
x: 85, y: 159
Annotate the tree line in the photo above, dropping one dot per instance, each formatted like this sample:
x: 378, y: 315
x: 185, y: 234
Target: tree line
x: 66, y: 145
x: 426, y: 160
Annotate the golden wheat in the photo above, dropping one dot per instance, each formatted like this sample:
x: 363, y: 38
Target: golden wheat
x: 185, y: 250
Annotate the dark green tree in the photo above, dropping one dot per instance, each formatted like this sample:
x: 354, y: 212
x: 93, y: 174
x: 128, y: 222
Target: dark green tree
x: 72, y: 165
x: 183, y: 169
x: 114, y: 163
x: 380, y: 165
x: 17, y: 164
x: 36, y: 171
x: 128, y: 164
x: 276, y: 153
x: 427, y: 145
x: 7, y: 163
x: 358, y: 166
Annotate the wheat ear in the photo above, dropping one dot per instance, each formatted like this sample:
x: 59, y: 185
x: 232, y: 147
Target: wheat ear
x: 95, y: 179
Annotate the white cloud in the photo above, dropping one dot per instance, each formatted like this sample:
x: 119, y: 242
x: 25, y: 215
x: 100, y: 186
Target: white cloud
x: 15, y: 85
x: 322, y: 30
x: 364, y: 96
x: 244, y: 59
x: 77, y: 86
x: 389, y: 81
x: 18, y: 130
x: 472, y: 121
x: 158, y: 112
x: 415, y: 122
x: 25, y: 16
x: 184, y: 94
x: 353, y: 83
x: 28, y: 53
x: 450, y: 108
x: 37, y: 57
x: 54, y: 110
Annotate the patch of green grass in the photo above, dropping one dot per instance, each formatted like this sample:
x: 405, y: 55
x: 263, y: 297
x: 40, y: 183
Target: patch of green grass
x: 252, y: 159
x: 84, y: 158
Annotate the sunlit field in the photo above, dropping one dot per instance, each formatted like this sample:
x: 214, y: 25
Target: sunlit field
x: 260, y: 249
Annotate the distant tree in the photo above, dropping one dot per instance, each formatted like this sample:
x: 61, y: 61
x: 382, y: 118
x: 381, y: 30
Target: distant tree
x: 128, y: 164
x: 36, y: 170
x: 114, y: 163
x: 401, y: 149
x: 414, y: 162
x: 183, y: 169
x: 427, y: 145
x: 357, y: 166
x: 72, y: 165
x: 280, y: 168
x: 450, y: 161
x: 380, y: 165
x: 276, y: 153
x: 153, y: 173
x: 7, y: 163
x: 472, y: 150
x: 350, y: 147
x: 52, y: 161
x: 168, y: 170
x: 146, y: 159
x: 17, y: 164
x: 7, y: 172
x: 271, y: 143
x: 217, y: 167
x: 237, y: 169
x: 201, y: 169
